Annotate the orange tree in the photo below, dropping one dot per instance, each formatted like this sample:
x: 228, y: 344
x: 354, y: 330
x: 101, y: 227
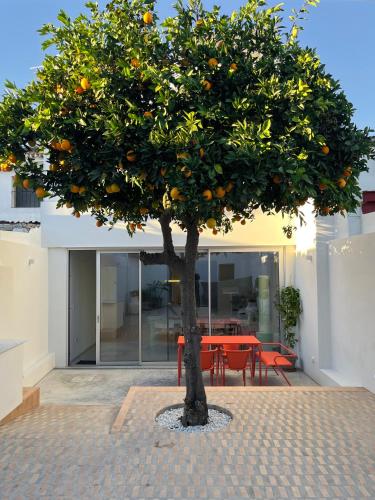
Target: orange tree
x: 198, y: 120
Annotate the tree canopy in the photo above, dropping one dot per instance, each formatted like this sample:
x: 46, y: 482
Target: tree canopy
x: 204, y: 115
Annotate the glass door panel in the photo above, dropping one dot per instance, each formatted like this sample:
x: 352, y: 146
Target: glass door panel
x: 243, y: 288
x: 161, y: 309
x: 161, y: 313
x: 119, y: 308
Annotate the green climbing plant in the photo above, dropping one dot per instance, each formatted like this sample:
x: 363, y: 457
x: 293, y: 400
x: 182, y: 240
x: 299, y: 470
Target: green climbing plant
x: 290, y: 307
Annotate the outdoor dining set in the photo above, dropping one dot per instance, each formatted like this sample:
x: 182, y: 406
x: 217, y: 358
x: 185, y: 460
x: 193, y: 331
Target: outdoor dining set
x: 230, y: 347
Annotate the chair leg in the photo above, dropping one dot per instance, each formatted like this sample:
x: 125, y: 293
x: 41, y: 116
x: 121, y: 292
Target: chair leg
x: 223, y: 375
x: 266, y: 376
x: 260, y: 372
x: 212, y: 377
x: 244, y: 376
x: 282, y: 373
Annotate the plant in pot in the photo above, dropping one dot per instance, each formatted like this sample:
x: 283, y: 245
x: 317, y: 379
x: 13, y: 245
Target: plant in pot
x: 290, y: 308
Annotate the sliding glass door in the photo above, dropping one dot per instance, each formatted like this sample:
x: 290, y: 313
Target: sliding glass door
x: 119, y: 308
x: 139, y: 307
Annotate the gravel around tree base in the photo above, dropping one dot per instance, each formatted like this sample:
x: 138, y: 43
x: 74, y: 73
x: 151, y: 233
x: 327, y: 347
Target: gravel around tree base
x: 171, y: 419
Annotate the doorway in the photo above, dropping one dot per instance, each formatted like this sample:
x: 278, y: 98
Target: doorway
x: 82, y: 307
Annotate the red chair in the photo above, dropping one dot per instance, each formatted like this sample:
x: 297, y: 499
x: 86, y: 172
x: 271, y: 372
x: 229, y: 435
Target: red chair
x: 208, y: 362
x: 236, y: 360
x: 275, y: 359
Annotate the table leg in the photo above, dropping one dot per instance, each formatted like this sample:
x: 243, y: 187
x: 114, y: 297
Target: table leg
x: 179, y: 360
x: 217, y: 366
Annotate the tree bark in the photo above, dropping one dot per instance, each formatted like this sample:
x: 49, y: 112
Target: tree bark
x: 195, y: 408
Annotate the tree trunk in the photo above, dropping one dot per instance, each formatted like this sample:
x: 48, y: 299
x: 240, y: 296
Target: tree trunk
x: 195, y: 409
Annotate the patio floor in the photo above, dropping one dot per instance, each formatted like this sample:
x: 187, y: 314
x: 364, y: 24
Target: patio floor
x: 109, y: 386
x: 304, y: 442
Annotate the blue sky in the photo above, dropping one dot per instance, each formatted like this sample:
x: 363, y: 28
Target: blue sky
x: 341, y: 30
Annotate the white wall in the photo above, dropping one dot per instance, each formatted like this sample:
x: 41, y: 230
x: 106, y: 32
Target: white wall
x: 11, y: 376
x: 62, y: 230
x: 57, y: 287
x: 24, y: 300
x: 352, y: 297
x: 9, y: 214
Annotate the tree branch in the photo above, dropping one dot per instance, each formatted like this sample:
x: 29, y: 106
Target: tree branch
x: 168, y: 256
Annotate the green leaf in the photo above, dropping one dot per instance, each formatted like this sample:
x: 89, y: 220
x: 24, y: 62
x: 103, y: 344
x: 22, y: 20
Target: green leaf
x: 218, y: 168
x: 63, y: 18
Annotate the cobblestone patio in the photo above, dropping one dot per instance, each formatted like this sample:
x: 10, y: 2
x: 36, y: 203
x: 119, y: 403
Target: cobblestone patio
x: 283, y: 443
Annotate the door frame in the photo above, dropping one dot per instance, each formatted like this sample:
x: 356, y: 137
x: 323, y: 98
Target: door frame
x: 280, y: 249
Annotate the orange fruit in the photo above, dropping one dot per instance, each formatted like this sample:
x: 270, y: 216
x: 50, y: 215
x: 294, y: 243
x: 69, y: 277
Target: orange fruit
x: 132, y: 227
x: 207, y: 85
x: 148, y: 114
x: 12, y: 158
x: 276, y: 179
x: 148, y: 17
x: 65, y: 145
x: 135, y: 62
x: 59, y: 89
x: 175, y: 193
x: 40, y: 192
x: 322, y: 186
x: 53, y: 167
x: 243, y: 222
x: 214, y: 231
x: 207, y: 194
x: 200, y: 230
x: 143, y: 210
x: 347, y: 172
x: 26, y: 184
x: 213, y: 62
x: 229, y: 187
x: 85, y: 84
x: 131, y: 156
x: 325, y: 149
x: 139, y: 226
x: 201, y: 152
x: 199, y: 23
x: 74, y: 188
x: 99, y: 223
x: 82, y: 190
x: 220, y: 192
x: 181, y: 197
x: 163, y: 171
x: 237, y: 218
x: 115, y: 188
x: 326, y: 210
x: 108, y: 189
x: 341, y: 183
x: 77, y: 214
x: 211, y: 223
x: 183, y: 156
x: 186, y: 171
x: 79, y: 90
x: 233, y: 67
x: 68, y: 205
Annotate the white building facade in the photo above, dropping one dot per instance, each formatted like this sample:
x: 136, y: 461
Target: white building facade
x: 79, y: 295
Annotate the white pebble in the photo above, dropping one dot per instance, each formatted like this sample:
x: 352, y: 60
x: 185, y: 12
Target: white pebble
x: 170, y: 419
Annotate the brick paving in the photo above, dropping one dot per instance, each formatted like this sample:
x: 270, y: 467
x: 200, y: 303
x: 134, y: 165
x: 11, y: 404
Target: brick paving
x: 283, y: 443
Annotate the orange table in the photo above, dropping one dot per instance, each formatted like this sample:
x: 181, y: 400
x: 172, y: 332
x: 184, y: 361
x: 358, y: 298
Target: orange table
x: 218, y: 340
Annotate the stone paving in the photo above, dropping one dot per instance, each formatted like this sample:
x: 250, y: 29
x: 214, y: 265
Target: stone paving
x: 110, y: 386
x: 304, y: 442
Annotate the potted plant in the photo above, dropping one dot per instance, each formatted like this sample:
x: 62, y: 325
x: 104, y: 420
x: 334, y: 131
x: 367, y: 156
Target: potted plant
x: 290, y: 307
